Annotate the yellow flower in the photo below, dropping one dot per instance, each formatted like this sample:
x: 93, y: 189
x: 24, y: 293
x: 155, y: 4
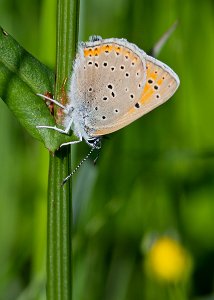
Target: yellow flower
x: 167, y: 260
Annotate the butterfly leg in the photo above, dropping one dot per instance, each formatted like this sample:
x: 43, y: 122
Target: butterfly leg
x: 53, y: 101
x: 65, y: 131
x: 72, y: 142
x: 53, y: 128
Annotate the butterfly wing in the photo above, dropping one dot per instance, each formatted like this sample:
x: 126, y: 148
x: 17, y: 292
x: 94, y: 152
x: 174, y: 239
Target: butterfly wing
x: 114, y: 83
x: 161, y: 84
x: 108, y: 78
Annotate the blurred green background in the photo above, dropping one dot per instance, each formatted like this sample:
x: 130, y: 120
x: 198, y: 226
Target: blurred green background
x: 143, y: 216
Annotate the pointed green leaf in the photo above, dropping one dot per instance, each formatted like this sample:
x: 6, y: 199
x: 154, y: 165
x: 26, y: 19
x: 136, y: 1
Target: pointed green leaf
x: 21, y: 77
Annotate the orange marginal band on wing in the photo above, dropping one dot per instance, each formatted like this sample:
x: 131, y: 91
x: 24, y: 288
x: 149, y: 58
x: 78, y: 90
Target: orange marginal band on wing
x: 147, y: 93
x: 97, y: 50
x: 148, y: 90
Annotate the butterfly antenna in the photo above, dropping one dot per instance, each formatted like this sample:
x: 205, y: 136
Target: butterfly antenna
x: 94, y: 146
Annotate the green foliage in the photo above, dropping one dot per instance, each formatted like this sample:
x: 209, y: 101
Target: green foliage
x: 21, y: 78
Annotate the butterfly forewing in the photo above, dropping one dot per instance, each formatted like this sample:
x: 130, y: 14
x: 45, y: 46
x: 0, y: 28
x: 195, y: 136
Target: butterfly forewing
x: 110, y: 78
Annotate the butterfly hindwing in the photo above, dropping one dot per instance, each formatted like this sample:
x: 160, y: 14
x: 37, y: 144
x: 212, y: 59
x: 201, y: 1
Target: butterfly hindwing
x: 161, y: 83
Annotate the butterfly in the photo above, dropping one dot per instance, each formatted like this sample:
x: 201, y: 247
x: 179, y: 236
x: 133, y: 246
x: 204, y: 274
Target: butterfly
x: 113, y: 83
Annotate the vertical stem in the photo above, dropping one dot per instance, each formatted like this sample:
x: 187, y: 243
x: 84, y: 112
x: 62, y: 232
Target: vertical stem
x: 59, y: 227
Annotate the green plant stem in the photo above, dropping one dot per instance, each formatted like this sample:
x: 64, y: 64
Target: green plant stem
x: 59, y: 228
